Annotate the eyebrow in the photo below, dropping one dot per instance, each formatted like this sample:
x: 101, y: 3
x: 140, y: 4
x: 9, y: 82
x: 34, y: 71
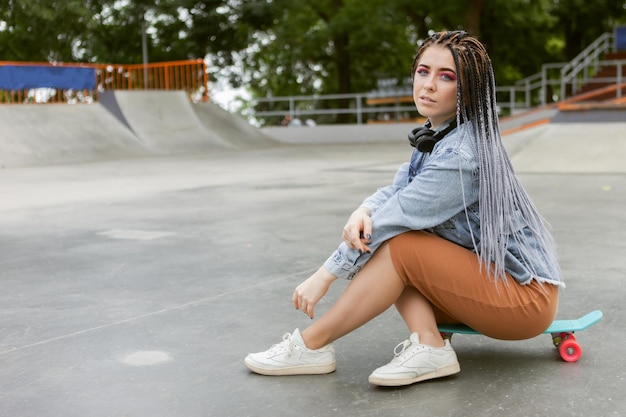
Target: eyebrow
x: 441, y: 69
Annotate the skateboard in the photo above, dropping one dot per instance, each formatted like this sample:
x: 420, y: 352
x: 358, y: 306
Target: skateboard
x: 562, y: 332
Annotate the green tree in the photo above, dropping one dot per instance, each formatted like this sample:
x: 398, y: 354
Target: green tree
x: 115, y: 31
x: 518, y: 36
x: 580, y: 22
x: 296, y: 47
x: 325, y: 46
x: 41, y: 30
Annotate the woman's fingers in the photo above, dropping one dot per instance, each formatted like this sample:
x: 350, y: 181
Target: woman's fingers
x: 294, y: 299
x: 309, y: 292
x: 301, y: 302
x: 357, y: 233
x: 359, y: 242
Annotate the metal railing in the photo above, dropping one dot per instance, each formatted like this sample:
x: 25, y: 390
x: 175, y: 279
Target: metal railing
x: 577, y: 72
x: 188, y: 75
x: 316, y: 105
x: 555, y: 82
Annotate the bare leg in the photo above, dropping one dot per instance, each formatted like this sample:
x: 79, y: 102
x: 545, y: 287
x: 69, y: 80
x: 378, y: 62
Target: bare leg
x: 418, y: 315
x: 374, y: 289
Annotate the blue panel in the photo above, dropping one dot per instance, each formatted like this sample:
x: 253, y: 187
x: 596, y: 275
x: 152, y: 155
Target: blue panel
x: 15, y: 77
x: 620, y: 38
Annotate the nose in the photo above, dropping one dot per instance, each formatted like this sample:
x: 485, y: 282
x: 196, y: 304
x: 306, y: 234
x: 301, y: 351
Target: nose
x: 429, y: 83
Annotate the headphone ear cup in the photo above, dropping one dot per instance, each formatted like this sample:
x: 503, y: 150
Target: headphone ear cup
x: 423, y: 139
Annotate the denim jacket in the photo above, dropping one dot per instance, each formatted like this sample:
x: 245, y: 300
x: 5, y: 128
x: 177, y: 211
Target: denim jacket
x: 428, y: 194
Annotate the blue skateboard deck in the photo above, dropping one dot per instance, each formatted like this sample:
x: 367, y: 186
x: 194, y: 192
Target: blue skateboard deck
x: 562, y: 332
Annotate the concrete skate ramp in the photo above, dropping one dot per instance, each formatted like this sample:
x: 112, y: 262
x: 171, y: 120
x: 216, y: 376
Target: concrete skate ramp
x: 569, y: 148
x: 231, y: 128
x: 60, y: 134
x: 163, y: 121
x: 166, y: 122
x: 122, y: 125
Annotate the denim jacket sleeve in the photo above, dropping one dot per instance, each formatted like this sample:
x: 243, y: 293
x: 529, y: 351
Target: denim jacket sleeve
x: 427, y: 199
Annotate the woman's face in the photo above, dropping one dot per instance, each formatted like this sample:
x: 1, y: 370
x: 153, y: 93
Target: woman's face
x: 434, y: 85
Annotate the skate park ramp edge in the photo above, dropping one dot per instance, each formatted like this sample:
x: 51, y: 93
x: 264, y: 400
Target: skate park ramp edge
x: 33, y: 135
x: 122, y: 125
x: 167, y: 122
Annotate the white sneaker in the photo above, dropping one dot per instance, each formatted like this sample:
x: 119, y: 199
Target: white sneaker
x: 414, y: 362
x: 292, y: 357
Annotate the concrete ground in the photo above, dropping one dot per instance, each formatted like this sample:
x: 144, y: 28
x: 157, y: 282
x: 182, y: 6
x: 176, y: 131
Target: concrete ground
x: 135, y: 287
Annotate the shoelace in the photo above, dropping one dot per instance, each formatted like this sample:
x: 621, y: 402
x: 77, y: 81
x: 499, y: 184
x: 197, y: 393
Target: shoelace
x: 285, y: 346
x: 403, y: 347
x: 399, y: 353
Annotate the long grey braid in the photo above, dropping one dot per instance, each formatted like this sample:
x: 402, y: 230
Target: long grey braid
x: 503, y: 201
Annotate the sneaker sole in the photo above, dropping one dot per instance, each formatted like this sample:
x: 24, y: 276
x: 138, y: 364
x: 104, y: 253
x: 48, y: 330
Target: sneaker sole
x: 293, y: 370
x: 396, y: 382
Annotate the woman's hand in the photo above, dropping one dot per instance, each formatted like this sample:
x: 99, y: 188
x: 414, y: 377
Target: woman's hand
x: 357, y: 232
x: 307, y: 294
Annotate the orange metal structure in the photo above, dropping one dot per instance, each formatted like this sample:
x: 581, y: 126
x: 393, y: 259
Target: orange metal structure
x: 190, y: 76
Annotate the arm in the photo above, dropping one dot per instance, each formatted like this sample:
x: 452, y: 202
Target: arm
x: 307, y: 294
x: 433, y: 196
x: 357, y: 230
x: 380, y: 197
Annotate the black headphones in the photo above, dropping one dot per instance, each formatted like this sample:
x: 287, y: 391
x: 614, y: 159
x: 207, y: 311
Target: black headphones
x: 424, y: 138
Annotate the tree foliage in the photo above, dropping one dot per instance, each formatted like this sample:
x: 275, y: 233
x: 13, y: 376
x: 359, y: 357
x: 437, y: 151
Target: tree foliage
x: 33, y: 29
x: 294, y: 47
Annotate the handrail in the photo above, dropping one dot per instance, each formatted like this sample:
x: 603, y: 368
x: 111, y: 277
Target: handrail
x: 601, y: 43
x: 547, y: 86
x: 188, y: 75
x: 583, y: 61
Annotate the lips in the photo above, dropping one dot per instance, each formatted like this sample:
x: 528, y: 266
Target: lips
x: 427, y: 101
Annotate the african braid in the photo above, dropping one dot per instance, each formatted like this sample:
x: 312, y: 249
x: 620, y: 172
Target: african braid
x: 504, y: 204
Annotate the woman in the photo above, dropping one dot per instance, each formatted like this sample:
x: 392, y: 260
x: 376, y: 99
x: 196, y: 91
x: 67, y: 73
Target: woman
x: 454, y: 239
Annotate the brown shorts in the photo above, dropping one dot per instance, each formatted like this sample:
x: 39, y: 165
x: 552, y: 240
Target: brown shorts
x: 449, y: 276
